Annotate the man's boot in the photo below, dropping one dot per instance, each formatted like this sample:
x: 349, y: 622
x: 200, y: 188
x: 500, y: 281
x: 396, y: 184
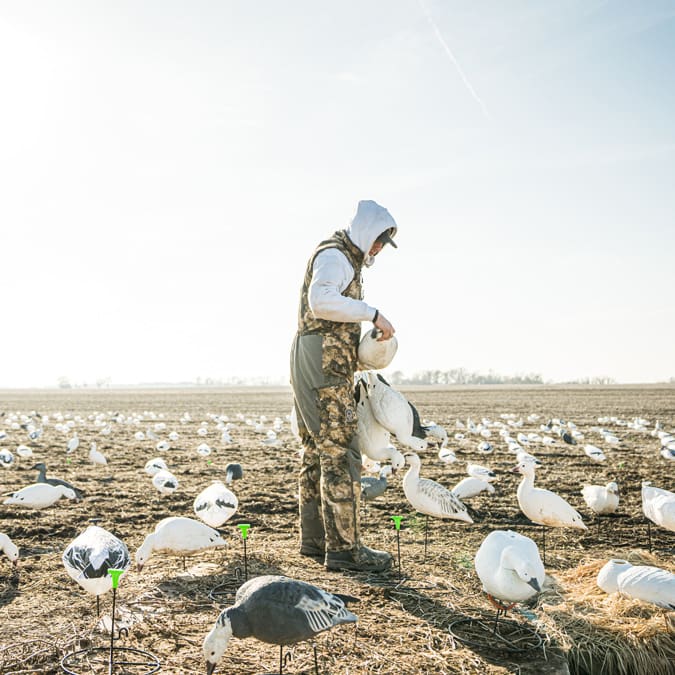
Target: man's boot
x: 312, y: 537
x: 344, y: 550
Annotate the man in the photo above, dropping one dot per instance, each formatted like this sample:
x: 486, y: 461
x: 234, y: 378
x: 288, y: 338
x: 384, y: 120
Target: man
x: 323, y: 362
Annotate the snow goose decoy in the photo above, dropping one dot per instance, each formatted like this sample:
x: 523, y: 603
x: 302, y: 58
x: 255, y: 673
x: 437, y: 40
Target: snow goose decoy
x: 42, y: 478
x: 479, y: 479
x: 642, y: 582
x: 659, y: 507
x: 165, y: 482
x: 215, y: 504
x: 96, y: 456
x: 155, y: 465
x: 73, y: 443
x: 594, y: 453
x: 371, y: 438
x: 394, y: 412
x: 371, y: 487
x: 276, y: 610
x: 178, y: 536
x: 6, y: 459
x: 601, y: 499
x: 510, y: 568
x: 39, y: 495
x: 10, y: 549
x: 430, y: 498
x: 544, y: 507
x: 233, y: 471
x: 89, y: 556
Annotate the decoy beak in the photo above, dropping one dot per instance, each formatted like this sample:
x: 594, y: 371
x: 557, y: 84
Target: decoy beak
x: 535, y: 584
x: 516, y: 469
x: 210, y: 667
x: 16, y: 563
x: 139, y: 567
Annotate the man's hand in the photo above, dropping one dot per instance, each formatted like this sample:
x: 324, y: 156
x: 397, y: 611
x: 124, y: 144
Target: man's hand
x: 383, y: 325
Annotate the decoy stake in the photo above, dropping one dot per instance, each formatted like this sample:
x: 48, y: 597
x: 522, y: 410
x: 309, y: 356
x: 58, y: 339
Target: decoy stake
x: 244, y: 528
x: 397, y: 523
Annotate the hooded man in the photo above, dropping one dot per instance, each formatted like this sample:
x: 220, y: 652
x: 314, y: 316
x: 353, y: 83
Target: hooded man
x: 323, y: 362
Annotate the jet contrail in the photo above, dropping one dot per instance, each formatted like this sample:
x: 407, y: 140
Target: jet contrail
x: 452, y: 58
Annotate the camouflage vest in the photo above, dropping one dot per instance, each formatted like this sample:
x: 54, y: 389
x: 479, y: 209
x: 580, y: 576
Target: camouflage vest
x: 340, y: 338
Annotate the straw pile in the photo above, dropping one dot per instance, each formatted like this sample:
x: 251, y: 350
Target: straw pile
x: 608, y: 634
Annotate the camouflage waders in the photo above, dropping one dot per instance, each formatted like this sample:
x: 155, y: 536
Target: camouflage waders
x: 323, y: 362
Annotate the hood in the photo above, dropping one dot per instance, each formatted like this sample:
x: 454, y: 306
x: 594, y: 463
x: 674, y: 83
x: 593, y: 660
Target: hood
x: 370, y: 221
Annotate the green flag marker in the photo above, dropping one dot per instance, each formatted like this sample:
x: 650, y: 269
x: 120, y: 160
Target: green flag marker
x: 397, y: 521
x: 209, y: 462
x: 244, y: 527
x: 115, y: 574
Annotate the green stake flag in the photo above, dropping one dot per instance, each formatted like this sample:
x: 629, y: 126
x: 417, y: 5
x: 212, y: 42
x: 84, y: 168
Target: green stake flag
x: 397, y: 521
x: 115, y: 574
x: 244, y: 527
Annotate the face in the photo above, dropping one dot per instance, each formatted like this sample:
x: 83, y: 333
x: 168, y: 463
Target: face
x: 376, y: 248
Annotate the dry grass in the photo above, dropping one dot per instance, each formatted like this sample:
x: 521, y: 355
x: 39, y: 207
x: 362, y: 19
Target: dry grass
x: 608, y: 633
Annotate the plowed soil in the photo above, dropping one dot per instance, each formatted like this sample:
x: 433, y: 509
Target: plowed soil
x: 403, y: 628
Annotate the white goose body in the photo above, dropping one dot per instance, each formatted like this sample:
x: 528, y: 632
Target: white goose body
x: 39, y: 495
x: 215, y: 504
x: 470, y: 487
x: 543, y: 506
x: 89, y: 556
x: 180, y: 537
x: 659, y: 506
x: 429, y: 497
x: 601, y: 499
x: 509, y: 565
x: 9, y: 548
x: 155, y: 465
x: 371, y: 438
x: 642, y: 582
x: 165, y: 482
x: 393, y: 411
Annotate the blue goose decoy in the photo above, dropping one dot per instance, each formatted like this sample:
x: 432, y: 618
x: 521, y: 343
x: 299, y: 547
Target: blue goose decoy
x: 42, y: 478
x: 276, y: 610
x: 371, y: 487
x: 89, y: 557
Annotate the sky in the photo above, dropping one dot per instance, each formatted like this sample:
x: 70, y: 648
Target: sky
x: 167, y: 168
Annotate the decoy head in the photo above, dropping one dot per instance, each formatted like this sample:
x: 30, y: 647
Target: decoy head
x: 144, y: 553
x: 11, y: 550
x: 215, y: 643
x: 40, y: 466
x: 412, y: 459
x: 523, y: 567
x: 524, y: 467
x: 608, y: 576
x: 613, y: 488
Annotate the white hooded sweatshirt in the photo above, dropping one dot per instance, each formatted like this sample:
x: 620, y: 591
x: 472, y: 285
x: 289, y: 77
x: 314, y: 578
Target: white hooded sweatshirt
x: 332, y: 272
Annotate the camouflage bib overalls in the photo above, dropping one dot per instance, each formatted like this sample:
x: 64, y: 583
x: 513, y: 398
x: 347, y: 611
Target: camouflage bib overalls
x: 323, y: 363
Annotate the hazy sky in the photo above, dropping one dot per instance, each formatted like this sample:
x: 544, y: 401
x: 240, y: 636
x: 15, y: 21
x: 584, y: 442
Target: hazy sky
x: 166, y: 168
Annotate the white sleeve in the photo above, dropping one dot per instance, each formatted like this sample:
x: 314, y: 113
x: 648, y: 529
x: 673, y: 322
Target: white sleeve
x: 331, y: 274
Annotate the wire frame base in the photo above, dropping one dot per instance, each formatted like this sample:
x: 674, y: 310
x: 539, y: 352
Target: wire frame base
x: 502, y: 635
x: 126, y: 661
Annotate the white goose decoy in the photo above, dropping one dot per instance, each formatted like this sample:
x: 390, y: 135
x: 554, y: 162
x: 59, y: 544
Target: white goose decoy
x: 394, y: 412
x: 165, y: 482
x: 642, y: 582
x: 509, y: 566
x: 155, y: 465
x: 594, y: 453
x: 96, y: 456
x: 73, y: 443
x: 39, y: 495
x: 658, y: 506
x: 480, y: 479
x: 6, y: 459
x: 667, y: 452
x: 276, y: 610
x: 215, y: 504
x: 601, y: 499
x: 24, y: 451
x: 180, y: 537
x: 371, y: 438
x: 10, y: 549
x: 543, y: 506
x: 447, y: 456
x: 429, y: 497
x: 90, y: 555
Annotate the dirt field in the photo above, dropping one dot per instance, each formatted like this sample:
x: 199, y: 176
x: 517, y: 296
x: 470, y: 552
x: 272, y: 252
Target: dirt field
x: 44, y: 614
